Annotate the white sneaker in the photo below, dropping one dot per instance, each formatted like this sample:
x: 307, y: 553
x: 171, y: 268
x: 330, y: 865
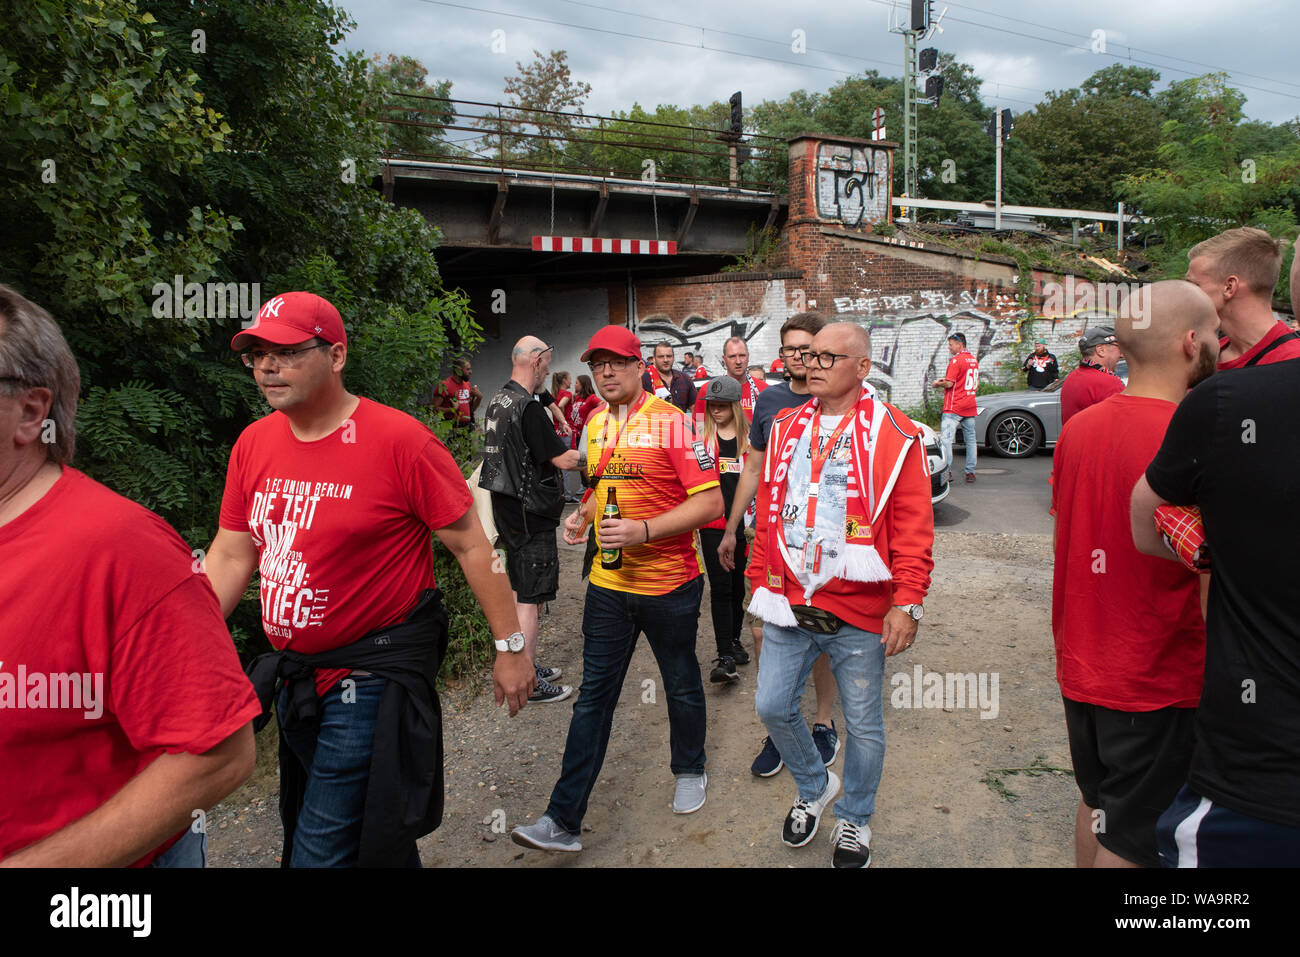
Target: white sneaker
x: 801, y: 823
x: 689, y: 796
x: 852, y: 844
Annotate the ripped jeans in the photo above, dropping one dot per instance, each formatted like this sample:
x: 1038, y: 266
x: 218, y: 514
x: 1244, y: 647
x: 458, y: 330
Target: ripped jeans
x: 858, y: 663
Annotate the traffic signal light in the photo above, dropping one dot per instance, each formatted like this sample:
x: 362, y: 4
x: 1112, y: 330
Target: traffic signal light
x: 991, y: 127
x: 934, y: 87
x: 929, y: 59
x: 920, y: 15
x: 737, y: 114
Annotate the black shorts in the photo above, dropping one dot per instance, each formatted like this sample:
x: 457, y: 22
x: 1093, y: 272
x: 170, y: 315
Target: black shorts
x: 1129, y: 766
x: 534, y: 567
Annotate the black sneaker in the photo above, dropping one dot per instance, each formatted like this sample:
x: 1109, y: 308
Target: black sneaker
x: 827, y: 741
x: 548, y: 692
x: 801, y: 823
x: 768, y: 761
x: 740, y: 654
x: 724, y: 670
x: 852, y: 845
x: 546, y: 674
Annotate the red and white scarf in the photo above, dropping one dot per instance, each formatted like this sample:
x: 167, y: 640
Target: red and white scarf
x: 858, y: 560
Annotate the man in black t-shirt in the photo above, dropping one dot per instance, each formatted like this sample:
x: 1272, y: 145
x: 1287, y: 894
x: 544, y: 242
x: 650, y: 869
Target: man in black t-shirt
x: 521, y: 462
x: 1230, y: 450
x: 1040, y: 367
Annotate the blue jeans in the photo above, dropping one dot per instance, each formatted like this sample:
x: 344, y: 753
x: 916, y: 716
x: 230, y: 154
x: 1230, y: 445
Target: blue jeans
x: 858, y: 663
x: 611, y: 623
x: 190, y: 851
x: 328, y: 833
x: 948, y: 427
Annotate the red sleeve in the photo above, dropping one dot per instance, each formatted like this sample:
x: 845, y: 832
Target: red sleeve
x: 234, y: 510
x: 700, y: 405
x: 754, y: 570
x: 175, y: 682
x: 437, y: 492
x: 695, y: 467
x: 910, y: 527
x: 953, y: 375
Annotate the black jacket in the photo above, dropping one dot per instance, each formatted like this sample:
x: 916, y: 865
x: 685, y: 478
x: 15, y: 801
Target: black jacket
x: 404, y: 793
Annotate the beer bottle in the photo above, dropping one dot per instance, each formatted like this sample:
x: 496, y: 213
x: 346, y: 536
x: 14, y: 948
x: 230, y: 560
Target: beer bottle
x: 611, y: 558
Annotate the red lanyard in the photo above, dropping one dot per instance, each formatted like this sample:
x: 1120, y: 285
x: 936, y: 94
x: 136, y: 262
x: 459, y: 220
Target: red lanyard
x: 609, y: 448
x: 819, y: 460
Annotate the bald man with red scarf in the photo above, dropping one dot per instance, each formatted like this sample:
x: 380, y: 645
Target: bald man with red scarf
x: 840, y: 564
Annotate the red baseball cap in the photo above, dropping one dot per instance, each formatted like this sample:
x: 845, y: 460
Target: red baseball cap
x: 619, y: 340
x: 291, y: 318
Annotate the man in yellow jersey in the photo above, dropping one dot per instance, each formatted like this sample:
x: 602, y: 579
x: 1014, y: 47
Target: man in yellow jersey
x: 667, y: 485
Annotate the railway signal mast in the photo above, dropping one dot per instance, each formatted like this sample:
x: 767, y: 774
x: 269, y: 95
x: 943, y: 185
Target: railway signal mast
x: 920, y: 25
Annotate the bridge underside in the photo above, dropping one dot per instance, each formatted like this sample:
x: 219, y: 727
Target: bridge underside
x: 488, y: 219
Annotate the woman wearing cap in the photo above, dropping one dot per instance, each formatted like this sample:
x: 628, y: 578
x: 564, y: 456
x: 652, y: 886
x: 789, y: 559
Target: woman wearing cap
x: 726, y: 434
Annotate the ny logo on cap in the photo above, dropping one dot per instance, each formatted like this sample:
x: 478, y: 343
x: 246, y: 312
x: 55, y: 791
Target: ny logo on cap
x: 272, y: 308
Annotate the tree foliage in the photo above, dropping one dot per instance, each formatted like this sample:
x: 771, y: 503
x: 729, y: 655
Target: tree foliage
x: 242, y: 153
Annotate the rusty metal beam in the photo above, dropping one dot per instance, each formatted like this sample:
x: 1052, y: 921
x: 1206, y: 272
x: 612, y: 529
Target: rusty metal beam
x: 498, y: 211
x: 598, y: 216
x: 692, y: 208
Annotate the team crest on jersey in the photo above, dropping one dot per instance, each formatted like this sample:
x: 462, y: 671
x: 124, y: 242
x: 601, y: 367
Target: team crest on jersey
x: 640, y: 440
x: 702, y: 456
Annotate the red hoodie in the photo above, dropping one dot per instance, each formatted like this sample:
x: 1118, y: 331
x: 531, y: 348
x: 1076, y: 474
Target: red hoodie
x: 903, y: 535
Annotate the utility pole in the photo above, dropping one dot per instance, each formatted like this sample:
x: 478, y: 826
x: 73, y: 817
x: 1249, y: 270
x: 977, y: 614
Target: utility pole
x: 997, y: 196
x: 920, y: 23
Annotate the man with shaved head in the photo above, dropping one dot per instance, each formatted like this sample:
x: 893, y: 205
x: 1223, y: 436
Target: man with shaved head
x: 1230, y: 451
x: 522, y: 457
x: 840, y: 566
x: 1129, y: 635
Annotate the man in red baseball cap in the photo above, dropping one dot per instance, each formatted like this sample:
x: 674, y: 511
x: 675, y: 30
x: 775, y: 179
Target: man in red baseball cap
x: 332, y: 498
x: 648, y: 580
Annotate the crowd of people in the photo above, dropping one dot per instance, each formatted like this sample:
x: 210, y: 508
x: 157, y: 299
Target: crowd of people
x: 1173, y: 617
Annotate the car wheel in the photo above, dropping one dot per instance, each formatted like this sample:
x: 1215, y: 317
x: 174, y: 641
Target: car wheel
x: 1015, y: 435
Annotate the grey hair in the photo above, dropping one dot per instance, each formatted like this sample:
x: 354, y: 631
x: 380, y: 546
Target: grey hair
x: 34, y: 352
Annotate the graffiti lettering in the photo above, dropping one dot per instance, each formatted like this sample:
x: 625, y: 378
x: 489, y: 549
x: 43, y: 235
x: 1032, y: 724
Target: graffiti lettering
x: 852, y: 183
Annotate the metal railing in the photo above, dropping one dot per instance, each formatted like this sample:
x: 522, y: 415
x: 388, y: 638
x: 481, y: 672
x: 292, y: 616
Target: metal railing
x: 505, y: 138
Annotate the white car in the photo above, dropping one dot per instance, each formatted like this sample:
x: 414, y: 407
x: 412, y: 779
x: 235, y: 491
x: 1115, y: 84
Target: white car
x: 940, y: 467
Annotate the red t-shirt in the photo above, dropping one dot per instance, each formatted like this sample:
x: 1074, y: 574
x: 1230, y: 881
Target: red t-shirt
x: 559, y: 401
x: 749, y: 390
x: 1085, y: 386
x: 1287, y: 350
x: 94, y: 584
x: 579, y: 413
x: 778, y: 367
x: 701, y: 373
x: 964, y: 373
x: 1128, y: 628
x: 459, y: 394
x: 341, y: 524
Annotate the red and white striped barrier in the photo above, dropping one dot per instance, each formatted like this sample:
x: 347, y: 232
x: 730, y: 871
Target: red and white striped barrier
x: 587, y: 244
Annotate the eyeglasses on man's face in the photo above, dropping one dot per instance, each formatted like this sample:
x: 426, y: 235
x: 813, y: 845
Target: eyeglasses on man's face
x: 824, y: 359
x: 617, y: 364
x: 281, y: 358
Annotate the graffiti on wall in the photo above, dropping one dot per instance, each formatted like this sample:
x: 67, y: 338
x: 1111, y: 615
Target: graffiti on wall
x: 909, y: 335
x: 852, y: 183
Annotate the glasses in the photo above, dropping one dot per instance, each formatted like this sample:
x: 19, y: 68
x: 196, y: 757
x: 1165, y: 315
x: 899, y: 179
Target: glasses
x: 789, y: 352
x: 617, y: 365
x: 283, y: 358
x: 824, y: 359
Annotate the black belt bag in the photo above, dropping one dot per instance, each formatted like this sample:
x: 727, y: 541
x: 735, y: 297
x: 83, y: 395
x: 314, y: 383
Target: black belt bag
x: 816, y: 619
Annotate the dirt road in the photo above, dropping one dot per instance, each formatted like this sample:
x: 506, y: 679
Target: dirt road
x: 951, y: 794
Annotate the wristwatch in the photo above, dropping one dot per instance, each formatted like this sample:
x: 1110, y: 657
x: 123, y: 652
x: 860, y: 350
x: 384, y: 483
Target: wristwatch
x: 913, y: 611
x: 513, y: 643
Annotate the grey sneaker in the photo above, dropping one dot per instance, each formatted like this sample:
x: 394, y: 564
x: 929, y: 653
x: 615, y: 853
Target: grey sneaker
x: 689, y: 796
x: 546, y: 835
x: 549, y: 692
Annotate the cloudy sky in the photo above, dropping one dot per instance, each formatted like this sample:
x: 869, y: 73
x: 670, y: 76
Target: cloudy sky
x: 697, y: 51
